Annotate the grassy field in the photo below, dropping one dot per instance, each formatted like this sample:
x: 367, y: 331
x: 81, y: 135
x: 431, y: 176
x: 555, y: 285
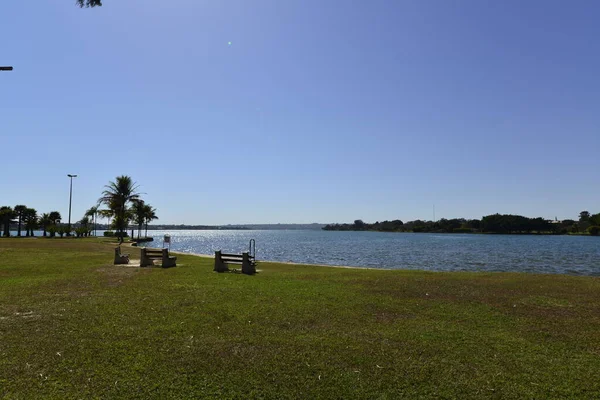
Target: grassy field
x: 72, y: 325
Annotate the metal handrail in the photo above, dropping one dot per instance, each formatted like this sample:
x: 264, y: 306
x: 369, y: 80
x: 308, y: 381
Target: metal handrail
x: 252, y: 248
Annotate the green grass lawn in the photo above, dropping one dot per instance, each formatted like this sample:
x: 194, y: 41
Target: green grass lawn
x: 72, y: 325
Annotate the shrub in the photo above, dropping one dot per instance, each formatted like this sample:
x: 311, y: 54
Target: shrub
x: 115, y: 234
x: 52, y: 230
x: 594, y: 230
x: 63, y: 229
x: 82, y: 231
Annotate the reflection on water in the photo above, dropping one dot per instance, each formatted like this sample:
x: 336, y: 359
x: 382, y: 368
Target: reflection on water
x: 447, y: 252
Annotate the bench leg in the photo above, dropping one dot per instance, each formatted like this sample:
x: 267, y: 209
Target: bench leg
x: 168, y: 261
x: 121, y: 258
x: 219, y: 264
x: 247, y: 267
x: 143, y: 259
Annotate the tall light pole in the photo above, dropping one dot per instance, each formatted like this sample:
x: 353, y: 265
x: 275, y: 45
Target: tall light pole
x: 70, y: 200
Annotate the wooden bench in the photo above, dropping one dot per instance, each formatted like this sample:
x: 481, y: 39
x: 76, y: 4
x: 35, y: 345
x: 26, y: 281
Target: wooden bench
x: 121, y: 258
x: 245, y: 260
x: 149, y: 255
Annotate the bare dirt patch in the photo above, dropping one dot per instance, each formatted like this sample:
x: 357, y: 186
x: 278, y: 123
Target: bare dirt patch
x: 116, y: 275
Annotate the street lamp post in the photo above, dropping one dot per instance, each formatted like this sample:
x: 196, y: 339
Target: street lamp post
x: 70, y: 200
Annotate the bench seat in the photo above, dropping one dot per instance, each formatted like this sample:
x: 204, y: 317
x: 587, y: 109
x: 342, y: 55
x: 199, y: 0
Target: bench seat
x: 245, y: 260
x: 149, y: 255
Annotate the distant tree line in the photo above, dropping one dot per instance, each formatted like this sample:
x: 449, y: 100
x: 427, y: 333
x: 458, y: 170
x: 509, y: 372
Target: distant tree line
x: 495, y: 223
x: 89, y: 3
x: 26, y: 220
x: 123, y: 206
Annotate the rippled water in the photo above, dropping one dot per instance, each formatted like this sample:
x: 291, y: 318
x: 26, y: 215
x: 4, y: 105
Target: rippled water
x: 578, y: 255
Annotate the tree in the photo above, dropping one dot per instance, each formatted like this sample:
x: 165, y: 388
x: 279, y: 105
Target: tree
x: 45, y: 222
x: 139, y: 216
x: 6, y: 216
x: 117, y: 196
x: 19, y: 210
x: 594, y: 230
x: 52, y: 229
x: 84, y: 227
x: 142, y: 214
x: 359, y: 224
x: 595, y: 219
x: 89, y: 3
x: 31, y: 221
x: 150, y: 215
x: 584, y: 216
x: 92, y: 212
x: 108, y: 214
x: 63, y: 229
x: 55, y: 218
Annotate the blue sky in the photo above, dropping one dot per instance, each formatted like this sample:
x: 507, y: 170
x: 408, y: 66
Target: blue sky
x: 318, y: 111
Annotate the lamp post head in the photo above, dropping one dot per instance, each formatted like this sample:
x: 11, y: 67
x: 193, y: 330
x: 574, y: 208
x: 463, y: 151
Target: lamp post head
x: 6, y: 68
x: 72, y: 176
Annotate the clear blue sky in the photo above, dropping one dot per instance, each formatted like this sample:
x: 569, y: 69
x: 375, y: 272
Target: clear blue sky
x: 318, y: 111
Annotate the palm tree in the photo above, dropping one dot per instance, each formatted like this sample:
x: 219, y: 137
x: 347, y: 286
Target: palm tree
x: 92, y: 212
x: 139, y: 217
x: 31, y: 221
x: 6, y: 216
x: 55, y: 217
x: 116, y: 197
x: 19, y: 210
x: 149, y: 215
x: 108, y: 214
x: 54, y: 220
x: 84, y: 227
x: 45, y: 222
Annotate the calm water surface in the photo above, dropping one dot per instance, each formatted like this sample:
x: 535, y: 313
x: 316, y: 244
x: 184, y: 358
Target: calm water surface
x: 579, y: 255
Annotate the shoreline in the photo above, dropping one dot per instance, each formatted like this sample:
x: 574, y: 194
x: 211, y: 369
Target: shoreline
x: 288, y: 262
x: 131, y: 244
x: 280, y: 262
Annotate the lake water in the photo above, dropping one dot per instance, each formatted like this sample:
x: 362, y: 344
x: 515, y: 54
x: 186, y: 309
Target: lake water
x: 579, y: 255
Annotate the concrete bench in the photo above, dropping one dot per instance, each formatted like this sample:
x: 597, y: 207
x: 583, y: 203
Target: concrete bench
x: 121, y: 258
x: 149, y: 255
x: 245, y: 260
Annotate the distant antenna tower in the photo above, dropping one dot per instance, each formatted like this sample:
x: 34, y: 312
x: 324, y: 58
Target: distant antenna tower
x: 434, y: 213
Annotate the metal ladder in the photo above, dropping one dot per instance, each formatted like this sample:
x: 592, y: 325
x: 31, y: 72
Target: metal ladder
x: 252, y: 251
